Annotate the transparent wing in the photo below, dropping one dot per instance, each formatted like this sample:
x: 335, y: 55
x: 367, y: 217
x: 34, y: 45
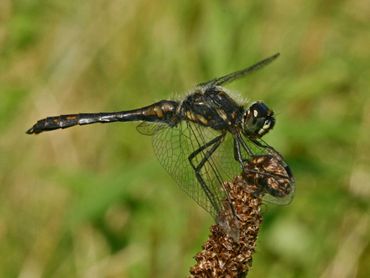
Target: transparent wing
x: 238, y: 74
x: 150, y: 128
x: 174, y: 145
x: 228, y: 165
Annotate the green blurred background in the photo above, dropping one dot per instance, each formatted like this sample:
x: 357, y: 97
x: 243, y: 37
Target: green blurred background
x: 93, y: 201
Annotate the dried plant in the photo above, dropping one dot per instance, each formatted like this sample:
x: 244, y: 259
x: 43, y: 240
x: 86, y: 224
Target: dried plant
x: 222, y: 255
x: 229, y: 249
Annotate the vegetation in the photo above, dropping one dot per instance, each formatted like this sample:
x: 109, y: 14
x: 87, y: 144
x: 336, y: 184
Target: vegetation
x: 93, y: 200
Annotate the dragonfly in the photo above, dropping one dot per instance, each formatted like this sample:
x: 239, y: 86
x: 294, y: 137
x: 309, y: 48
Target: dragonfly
x: 204, y: 139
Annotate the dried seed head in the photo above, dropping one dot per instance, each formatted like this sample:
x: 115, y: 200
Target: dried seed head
x: 222, y: 255
x: 229, y: 249
x: 271, y: 174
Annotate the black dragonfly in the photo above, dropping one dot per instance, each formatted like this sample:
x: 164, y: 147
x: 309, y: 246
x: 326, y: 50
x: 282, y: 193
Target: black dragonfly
x: 202, y: 140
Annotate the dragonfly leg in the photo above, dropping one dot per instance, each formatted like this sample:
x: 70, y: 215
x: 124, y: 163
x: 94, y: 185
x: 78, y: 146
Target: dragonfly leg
x: 242, y: 143
x: 214, y: 144
x: 238, y: 153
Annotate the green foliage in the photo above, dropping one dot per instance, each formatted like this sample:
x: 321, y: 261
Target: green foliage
x: 93, y: 200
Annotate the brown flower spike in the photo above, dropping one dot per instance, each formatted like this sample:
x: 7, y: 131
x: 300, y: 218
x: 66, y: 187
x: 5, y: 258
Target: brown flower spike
x: 231, y: 256
x: 222, y: 256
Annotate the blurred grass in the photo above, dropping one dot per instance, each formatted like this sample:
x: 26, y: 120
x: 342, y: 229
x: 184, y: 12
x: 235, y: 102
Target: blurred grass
x: 93, y: 201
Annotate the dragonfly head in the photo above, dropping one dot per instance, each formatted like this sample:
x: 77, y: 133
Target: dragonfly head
x: 258, y: 119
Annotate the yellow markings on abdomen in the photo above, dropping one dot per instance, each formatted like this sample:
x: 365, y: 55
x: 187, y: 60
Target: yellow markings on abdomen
x: 158, y: 111
x: 71, y: 117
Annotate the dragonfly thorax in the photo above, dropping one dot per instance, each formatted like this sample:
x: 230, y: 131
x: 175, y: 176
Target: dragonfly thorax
x: 258, y: 119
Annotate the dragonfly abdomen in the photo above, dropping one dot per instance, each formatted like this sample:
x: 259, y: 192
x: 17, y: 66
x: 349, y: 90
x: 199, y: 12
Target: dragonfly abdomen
x: 65, y: 121
x: 162, y: 111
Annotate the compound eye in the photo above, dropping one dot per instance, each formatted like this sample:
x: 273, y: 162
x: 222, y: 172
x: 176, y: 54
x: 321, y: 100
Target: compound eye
x: 258, y: 120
